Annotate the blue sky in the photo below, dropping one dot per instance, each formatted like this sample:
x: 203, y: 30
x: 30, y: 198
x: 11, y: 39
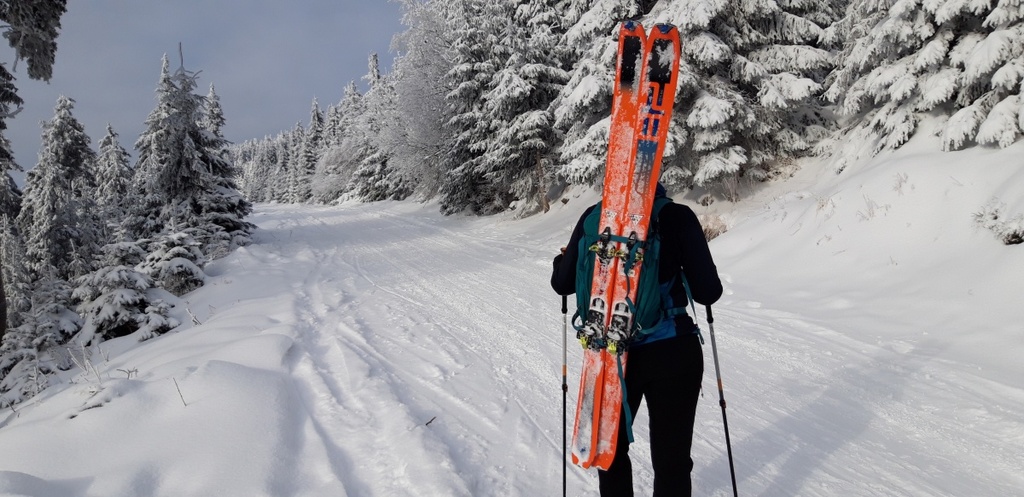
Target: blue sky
x: 267, y: 59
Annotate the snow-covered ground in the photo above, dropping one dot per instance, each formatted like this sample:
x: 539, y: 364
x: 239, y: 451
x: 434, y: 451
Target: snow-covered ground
x: 870, y: 341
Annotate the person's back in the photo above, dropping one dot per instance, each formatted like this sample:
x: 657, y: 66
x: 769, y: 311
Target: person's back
x: 665, y: 368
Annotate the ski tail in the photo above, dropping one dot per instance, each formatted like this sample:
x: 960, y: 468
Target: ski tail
x: 584, y: 432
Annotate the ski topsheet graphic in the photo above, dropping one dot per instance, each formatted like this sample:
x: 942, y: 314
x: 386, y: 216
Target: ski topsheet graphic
x: 644, y: 92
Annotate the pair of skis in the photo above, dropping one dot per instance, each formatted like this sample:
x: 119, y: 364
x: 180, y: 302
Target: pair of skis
x: 644, y: 93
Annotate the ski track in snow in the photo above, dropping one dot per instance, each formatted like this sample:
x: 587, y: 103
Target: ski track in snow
x: 406, y: 355
x: 396, y: 339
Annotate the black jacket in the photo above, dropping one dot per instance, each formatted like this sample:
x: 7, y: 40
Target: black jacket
x: 683, y: 249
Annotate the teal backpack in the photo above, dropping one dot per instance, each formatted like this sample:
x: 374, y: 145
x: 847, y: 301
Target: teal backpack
x: 653, y: 312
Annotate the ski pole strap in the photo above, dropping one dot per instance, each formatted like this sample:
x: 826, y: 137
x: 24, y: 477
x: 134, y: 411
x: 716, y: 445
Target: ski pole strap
x: 689, y: 296
x: 625, y: 400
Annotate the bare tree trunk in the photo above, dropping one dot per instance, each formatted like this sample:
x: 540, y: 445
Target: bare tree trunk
x: 542, y: 185
x: 3, y: 307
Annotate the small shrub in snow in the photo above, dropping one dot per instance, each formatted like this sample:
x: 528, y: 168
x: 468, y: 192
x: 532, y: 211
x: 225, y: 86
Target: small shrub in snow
x: 1010, y: 231
x: 713, y: 225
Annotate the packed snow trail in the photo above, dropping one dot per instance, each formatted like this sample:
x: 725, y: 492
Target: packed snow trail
x: 412, y: 366
x: 385, y: 350
x: 439, y: 342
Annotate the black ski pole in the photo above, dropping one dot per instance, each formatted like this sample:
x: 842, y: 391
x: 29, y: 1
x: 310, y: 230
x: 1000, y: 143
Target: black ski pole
x: 565, y: 386
x: 721, y: 399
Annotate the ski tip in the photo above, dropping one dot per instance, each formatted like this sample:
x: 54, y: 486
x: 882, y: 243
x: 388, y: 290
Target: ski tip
x: 631, y: 25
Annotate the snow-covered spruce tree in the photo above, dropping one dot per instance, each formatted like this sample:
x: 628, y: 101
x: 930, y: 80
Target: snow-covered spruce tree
x: 347, y: 149
x: 258, y: 161
x: 474, y: 63
x: 174, y: 261
x: 183, y: 172
x: 748, y: 73
x: 212, y: 117
x: 963, y: 59
x: 31, y: 351
x: 264, y: 163
x: 31, y: 28
x: 375, y: 179
x: 148, y: 216
x: 295, y: 178
x: 519, y: 157
x: 10, y: 104
x: 332, y: 126
x: 223, y: 207
x: 583, y: 108
x: 17, y: 281
x: 113, y: 180
x: 267, y: 168
x: 58, y: 219
x: 310, y: 149
x: 116, y: 300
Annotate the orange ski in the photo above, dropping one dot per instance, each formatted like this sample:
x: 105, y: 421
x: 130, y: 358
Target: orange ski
x: 661, y: 67
x: 645, y: 84
x: 594, y: 381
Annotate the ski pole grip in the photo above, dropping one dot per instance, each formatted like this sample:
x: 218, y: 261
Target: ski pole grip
x: 711, y: 318
x: 565, y: 304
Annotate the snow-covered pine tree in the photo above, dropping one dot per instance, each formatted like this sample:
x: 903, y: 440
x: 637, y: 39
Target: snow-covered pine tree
x: 147, y: 216
x: 518, y: 157
x: 310, y: 150
x: 332, y: 123
x: 222, y: 206
x: 278, y: 182
x: 258, y: 161
x: 184, y: 172
x: 749, y: 71
x: 375, y: 179
x: 212, y: 117
x: 474, y: 63
x: 583, y: 108
x: 346, y: 150
x: 174, y: 261
x: 17, y: 281
x: 295, y: 186
x: 10, y: 104
x: 31, y: 28
x: 749, y: 75
x: 115, y: 300
x: 113, y: 180
x: 58, y: 219
x: 31, y: 351
x: 963, y: 59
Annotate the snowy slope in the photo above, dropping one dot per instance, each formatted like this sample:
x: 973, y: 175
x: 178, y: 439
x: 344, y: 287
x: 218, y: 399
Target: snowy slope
x: 869, y: 339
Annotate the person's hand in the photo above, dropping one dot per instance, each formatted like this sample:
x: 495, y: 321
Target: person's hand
x: 563, y: 250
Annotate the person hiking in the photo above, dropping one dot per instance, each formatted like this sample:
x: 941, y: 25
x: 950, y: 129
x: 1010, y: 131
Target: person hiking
x: 667, y: 365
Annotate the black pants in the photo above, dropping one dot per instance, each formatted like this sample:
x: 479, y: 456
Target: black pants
x: 668, y: 374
